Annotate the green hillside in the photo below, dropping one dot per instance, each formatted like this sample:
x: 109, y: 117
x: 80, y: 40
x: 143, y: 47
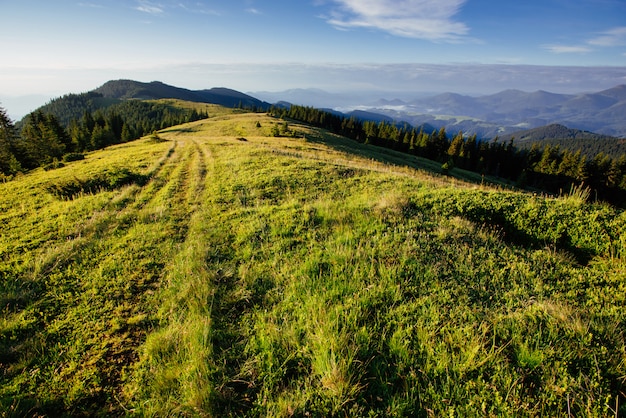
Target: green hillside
x: 590, y: 144
x: 217, y: 270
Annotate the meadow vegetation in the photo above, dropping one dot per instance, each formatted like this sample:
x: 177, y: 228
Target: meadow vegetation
x: 219, y: 270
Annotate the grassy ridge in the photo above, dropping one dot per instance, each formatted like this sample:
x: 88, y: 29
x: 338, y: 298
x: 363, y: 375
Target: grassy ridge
x: 231, y: 274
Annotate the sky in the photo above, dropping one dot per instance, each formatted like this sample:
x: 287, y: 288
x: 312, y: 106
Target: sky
x: 51, y: 48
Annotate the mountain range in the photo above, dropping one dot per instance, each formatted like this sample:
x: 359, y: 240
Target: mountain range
x: 588, y: 120
x: 492, y: 115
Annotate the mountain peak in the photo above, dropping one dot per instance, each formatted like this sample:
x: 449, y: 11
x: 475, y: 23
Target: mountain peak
x: 130, y: 89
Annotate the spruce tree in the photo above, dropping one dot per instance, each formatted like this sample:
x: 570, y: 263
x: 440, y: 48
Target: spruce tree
x: 44, y: 139
x: 9, y: 163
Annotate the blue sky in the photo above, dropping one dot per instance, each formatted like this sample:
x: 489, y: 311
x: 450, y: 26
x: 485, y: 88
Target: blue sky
x: 54, y: 47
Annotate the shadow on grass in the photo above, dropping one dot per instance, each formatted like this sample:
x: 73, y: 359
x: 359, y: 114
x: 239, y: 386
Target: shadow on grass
x: 499, y: 216
x: 33, y: 407
x: 397, y: 158
x: 105, y: 181
x: 510, y: 217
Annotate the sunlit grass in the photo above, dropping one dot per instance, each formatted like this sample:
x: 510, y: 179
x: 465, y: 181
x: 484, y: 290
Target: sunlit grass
x: 304, y: 275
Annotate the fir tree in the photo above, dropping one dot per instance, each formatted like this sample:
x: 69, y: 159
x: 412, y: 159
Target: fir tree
x: 9, y: 164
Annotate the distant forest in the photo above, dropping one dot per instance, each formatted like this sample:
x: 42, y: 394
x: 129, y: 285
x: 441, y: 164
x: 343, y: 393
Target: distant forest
x: 544, y: 167
x: 65, y: 128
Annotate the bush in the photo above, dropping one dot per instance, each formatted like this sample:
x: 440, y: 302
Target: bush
x: 154, y: 137
x: 447, y: 166
x: 108, y: 180
x: 53, y: 165
x: 73, y: 156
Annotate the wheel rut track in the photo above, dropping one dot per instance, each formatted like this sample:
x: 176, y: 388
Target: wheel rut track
x: 170, y: 181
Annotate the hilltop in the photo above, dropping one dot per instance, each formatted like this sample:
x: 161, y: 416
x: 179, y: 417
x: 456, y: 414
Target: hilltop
x: 129, y: 89
x: 214, y: 268
x: 118, y: 92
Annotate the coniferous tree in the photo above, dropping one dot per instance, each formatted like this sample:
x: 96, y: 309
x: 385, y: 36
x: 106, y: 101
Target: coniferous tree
x: 88, y: 121
x: 469, y: 153
x: 80, y: 135
x: 102, y: 136
x: 550, y: 160
x: 44, y: 139
x: 456, y: 146
x: 9, y: 163
x: 115, y: 123
x: 127, y: 134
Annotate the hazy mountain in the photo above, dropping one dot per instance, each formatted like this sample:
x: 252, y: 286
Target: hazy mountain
x: 486, y: 116
x: 316, y: 98
x: 511, y: 110
x: 364, y: 115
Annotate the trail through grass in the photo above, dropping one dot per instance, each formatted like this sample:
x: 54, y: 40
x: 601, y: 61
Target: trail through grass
x: 238, y: 274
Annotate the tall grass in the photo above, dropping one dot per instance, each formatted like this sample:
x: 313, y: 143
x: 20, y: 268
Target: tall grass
x: 308, y: 277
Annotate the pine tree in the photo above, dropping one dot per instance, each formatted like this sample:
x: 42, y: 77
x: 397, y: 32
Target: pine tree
x: 456, y: 146
x: 44, y: 139
x: 469, y: 152
x: 127, y: 134
x: 79, y: 136
x: 9, y: 163
x: 613, y: 175
x: 550, y: 160
x: 101, y: 137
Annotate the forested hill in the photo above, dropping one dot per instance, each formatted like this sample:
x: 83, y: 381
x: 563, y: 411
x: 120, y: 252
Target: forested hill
x: 129, y: 89
x: 73, y: 106
x: 589, y: 143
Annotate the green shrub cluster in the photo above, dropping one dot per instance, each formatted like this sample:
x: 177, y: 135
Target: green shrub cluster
x: 105, y: 181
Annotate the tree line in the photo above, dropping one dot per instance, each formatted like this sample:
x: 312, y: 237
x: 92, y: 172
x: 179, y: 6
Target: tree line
x: 549, y: 167
x: 41, y: 139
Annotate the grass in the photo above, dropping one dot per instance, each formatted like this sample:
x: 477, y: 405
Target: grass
x: 306, y: 276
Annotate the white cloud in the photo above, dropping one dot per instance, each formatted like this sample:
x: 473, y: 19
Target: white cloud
x: 150, y: 8
x: 198, y: 8
x: 253, y: 11
x: 421, y: 19
x: 567, y: 49
x: 611, y: 37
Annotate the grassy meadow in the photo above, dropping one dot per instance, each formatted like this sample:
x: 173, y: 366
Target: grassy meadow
x: 216, y: 270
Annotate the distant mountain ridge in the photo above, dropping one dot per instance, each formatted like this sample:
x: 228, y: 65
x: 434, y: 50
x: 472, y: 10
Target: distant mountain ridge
x: 590, y: 144
x: 508, y: 111
x: 129, y: 89
x: 116, y: 92
x: 529, y: 117
x: 555, y: 130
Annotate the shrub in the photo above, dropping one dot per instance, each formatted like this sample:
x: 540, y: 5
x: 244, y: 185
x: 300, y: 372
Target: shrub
x: 73, y: 156
x: 53, y: 165
x: 107, y: 180
x: 154, y: 137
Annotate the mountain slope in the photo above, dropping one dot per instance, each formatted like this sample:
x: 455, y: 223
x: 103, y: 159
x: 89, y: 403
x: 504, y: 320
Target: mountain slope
x: 129, y: 89
x: 208, y: 275
x: 589, y: 143
x: 118, y: 92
